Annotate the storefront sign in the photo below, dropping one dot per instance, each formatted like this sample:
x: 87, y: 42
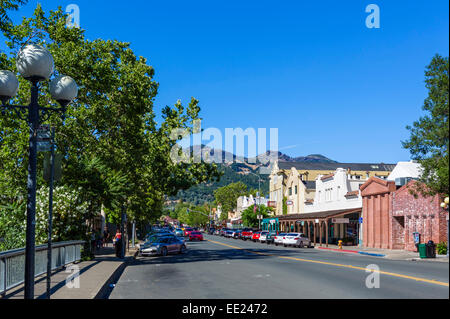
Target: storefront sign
x: 272, y: 221
x: 340, y: 220
x: 289, y: 202
x: 271, y: 203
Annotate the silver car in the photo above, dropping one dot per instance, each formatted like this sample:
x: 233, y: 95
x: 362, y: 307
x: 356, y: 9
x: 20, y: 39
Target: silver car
x: 278, y: 239
x: 297, y: 240
x: 263, y: 236
x: 162, y: 246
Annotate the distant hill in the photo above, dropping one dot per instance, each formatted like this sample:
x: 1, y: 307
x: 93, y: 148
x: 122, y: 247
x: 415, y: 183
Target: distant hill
x: 239, y: 170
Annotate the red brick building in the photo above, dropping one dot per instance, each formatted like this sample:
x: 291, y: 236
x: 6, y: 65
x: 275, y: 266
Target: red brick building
x: 392, y: 214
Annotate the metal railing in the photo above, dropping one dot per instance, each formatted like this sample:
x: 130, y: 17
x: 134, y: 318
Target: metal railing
x: 12, y: 262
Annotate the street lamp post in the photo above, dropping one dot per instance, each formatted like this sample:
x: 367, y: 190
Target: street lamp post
x: 444, y: 205
x: 35, y: 64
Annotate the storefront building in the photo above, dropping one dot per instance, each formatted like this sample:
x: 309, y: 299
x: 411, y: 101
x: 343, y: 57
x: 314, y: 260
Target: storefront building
x: 270, y: 224
x: 391, y: 215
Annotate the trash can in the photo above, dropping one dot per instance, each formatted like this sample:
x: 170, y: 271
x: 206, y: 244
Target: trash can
x: 422, y: 250
x: 431, y: 249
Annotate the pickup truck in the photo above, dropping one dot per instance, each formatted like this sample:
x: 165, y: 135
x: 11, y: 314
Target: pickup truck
x: 246, y: 233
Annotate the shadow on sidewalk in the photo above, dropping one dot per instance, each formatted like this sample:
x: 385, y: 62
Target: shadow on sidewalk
x: 58, y: 277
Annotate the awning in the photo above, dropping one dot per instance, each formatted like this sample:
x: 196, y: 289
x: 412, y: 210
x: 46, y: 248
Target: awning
x: 320, y: 215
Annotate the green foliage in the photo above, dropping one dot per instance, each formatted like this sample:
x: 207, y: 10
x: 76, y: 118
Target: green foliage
x: 204, y: 192
x: 249, y: 217
x: 285, y: 208
x: 5, y: 6
x: 429, y: 140
x: 442, y: 248
x: 197, y: 215
x: 227, y: 196
x: 114, y: 151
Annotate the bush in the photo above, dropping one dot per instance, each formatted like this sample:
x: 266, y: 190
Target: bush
x: 442, y: 248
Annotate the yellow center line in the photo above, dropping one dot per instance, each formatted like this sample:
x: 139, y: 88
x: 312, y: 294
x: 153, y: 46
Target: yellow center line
x: 339, y: 265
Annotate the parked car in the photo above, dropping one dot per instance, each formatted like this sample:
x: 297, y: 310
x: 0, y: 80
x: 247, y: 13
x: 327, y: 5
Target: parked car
x: 236, y: 234
x: 222, y: 231
x: 246, y: 233
x: 217, y: 232
x: 229, y: 233
x: 263, y: 236
x: 187, y: 231
x: 296, y: 240
x: 195, y: 235
x: 270, y: 237
x: 179, y: 232
x: 278, y: 239
x: 162, y: 246
x: 255, y: 236
x: 211, y: 230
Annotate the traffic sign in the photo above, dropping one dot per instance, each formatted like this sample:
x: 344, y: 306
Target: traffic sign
x: 340, y: 220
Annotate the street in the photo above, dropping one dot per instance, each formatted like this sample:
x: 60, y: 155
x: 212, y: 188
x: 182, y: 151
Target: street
x: 220, y: 268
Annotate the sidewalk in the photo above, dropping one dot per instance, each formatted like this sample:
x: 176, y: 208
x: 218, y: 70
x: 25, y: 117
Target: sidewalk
x: 95, y: 276
x: 394, y: 254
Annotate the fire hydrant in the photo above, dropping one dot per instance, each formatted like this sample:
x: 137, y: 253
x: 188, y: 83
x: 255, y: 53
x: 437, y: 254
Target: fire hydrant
x: 340, y: 244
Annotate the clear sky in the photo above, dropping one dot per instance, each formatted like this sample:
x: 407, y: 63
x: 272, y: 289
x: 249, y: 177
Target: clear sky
x: 312, y: 69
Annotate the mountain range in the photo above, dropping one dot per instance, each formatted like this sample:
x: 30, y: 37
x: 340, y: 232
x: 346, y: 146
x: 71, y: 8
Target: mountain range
x: 240, y: 169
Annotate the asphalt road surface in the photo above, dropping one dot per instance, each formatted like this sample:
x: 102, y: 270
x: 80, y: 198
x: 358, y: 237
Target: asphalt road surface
x: 223, y: 268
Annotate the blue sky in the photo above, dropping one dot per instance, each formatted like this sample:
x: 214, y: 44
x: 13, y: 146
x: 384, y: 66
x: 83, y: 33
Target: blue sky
x: 312, y: 69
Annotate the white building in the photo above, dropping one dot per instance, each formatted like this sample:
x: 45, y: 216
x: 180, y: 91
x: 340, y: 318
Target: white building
x: 243, y: 202
x: 405, y: 170
x: 336, y: 191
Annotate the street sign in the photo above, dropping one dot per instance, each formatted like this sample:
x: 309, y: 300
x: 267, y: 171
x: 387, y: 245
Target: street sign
x: 271, y: 203
x: 44, y: 138
x: 360, y: 220
x: 260, y: 216
x: 57, y: 168
x: 44, y: 146
x: 340, y: 220
x: 43, y: 133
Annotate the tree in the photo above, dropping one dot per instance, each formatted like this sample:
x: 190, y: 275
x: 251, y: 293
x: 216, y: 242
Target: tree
x: 227, y: 197
x: 114, y: 151
x: 5, y: 6
x: 250, y: 217
x: 429, y: 138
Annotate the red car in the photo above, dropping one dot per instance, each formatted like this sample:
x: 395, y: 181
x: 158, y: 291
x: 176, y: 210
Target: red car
x: 195, y: 235
x: 188, y: 230
x: 256, y: 235
x: 246, y: 233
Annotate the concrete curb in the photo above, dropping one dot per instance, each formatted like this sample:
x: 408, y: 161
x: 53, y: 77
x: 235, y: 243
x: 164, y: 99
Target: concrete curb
x: 338, y: 250
x: 105, y: 290
x: 352, y: 251
x: 371, y: 254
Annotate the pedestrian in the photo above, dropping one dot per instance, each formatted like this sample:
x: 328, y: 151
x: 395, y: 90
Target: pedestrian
x: 118, y: 243
x: 98, y: 238
x: 93, y: 241
x: 105, y: 236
